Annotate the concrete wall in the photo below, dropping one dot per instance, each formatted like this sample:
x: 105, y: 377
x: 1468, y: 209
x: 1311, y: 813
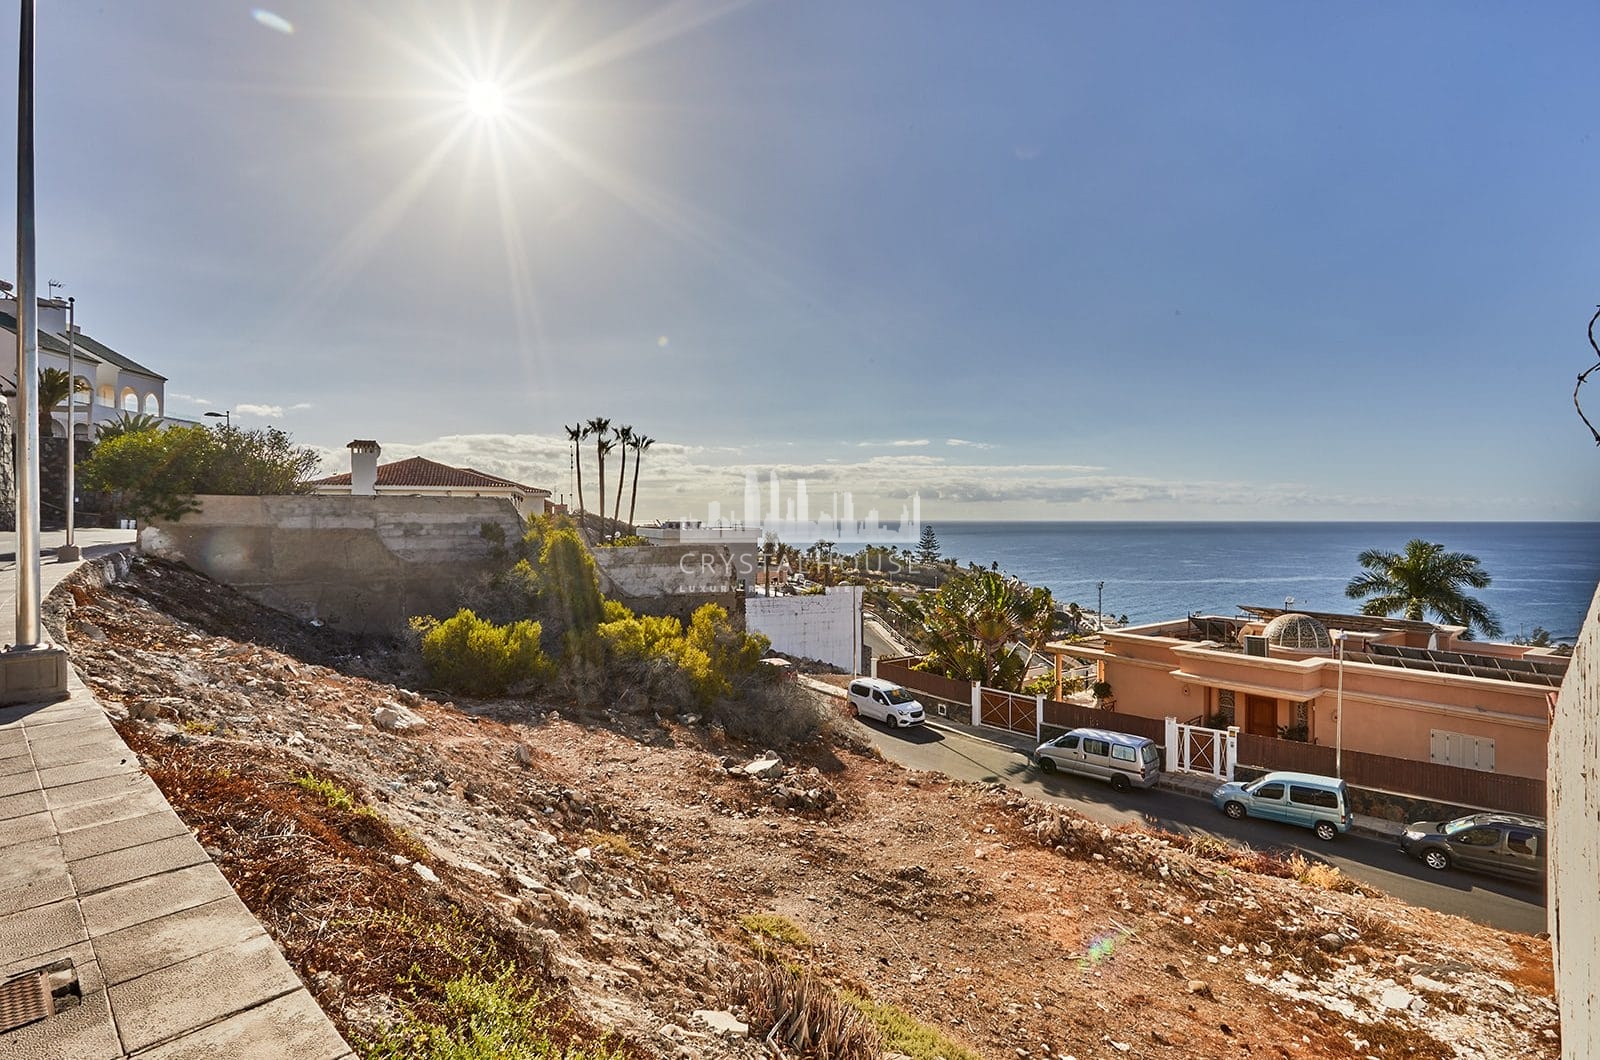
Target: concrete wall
x: 672, y: 570
x: 1575, y: 845
x: 363, y: 564
x: 826, y: 628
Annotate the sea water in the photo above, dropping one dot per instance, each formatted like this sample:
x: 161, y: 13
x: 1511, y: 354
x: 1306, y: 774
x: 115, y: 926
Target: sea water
x: 1543, y: 574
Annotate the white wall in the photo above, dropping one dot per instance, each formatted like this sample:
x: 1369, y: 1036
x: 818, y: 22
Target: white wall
x: 826, y: 628
x: 1574, y: 856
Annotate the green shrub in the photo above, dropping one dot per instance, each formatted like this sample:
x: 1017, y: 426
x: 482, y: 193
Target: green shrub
x: 904, y: 1034
x: 569, y: 583
x: 337, y: 796
x: 476, y: 657
x: 777, y: 927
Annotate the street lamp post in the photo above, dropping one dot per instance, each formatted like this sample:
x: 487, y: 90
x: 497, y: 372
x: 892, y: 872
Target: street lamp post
x: 1100, y: 605
x: 69, y: 552
x: 226, y: 416
x: 1339, y: 637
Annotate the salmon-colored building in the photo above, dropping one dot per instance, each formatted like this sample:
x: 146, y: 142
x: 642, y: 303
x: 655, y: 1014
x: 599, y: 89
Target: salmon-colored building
x: 1411, y: 690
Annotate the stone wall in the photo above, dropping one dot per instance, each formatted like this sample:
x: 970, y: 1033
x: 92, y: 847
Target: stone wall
x: 674, y: 580
x: 361, y: 564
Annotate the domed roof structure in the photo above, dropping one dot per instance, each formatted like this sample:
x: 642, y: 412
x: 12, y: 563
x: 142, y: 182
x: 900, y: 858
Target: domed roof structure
x: 1298, y: 632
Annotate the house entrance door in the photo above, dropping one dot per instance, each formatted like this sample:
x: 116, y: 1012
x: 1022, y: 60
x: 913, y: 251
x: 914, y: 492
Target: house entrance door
x: 1260, y: 716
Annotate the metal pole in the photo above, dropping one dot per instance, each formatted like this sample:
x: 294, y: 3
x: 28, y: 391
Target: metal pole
x: 1100, y: 605
x: 1338, y: 717
x: 28, y: 571
x: 72, y: 401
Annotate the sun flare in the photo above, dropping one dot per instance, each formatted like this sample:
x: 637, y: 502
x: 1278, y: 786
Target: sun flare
x: 485, y: 100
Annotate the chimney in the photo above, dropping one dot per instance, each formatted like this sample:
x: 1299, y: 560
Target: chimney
x: 364, y: 467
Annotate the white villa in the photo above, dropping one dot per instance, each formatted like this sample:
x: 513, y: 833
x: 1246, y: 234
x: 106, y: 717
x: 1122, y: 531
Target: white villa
x: 117, y: 384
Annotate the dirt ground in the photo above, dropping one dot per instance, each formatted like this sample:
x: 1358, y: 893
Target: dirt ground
x: 614, y: 856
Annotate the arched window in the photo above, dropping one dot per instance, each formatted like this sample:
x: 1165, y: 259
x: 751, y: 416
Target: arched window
x: 130, y: 400
x: 80, y: 431
x: 82, y: 391
x: 152, y: 405
x: 108, y: 397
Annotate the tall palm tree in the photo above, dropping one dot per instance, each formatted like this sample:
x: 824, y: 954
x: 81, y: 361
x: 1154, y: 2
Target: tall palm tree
x: 53, y: 387
x: 600, y: 428
x: 1423, y: 579
x: 624, y: 439
x: 576, y: 434
x: 640, y: 443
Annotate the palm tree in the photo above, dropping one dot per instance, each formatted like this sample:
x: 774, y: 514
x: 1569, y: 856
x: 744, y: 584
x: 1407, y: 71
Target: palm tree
x: 1422, y: 579
x: 624, y: 439
x: 53, y: 387
x: 640, y: 444
x: 974, y: 625
x: 600, y: 427
x: 127, y: 423
x: 576, y: 434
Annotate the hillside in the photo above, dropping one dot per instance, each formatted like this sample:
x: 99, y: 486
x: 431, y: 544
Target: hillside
x: 636, y: 873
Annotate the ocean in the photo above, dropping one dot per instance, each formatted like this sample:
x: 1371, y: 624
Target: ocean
x: 1544, y: 574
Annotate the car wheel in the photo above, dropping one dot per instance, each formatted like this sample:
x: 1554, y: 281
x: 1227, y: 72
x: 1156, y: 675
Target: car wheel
x: 1326, y: 831
x: 1234, y: 810
x: 1436, y: 859
x: 1119, y: 783
x: 1047, y: 765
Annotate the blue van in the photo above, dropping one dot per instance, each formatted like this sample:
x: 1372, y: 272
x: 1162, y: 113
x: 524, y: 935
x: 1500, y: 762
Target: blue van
x: 1321, y: 804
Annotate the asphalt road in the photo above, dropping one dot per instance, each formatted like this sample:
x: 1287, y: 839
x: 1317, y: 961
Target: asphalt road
x: 1498, y: 903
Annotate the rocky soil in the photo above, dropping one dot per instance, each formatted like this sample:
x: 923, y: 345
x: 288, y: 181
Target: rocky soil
x: 616, y: 857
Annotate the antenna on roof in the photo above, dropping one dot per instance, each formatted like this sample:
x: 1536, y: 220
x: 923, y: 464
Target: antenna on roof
x: 1288, y: 603
x: 52, y: 285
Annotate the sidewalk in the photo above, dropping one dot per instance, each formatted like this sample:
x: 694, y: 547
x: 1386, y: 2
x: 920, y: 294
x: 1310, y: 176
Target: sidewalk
x: 103, y: 886
x: 1195, y: 785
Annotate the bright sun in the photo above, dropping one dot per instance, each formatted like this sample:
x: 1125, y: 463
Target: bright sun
x: 485, y: 99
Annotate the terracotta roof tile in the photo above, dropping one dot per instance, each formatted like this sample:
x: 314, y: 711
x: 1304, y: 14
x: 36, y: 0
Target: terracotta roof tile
x: 420, y: 472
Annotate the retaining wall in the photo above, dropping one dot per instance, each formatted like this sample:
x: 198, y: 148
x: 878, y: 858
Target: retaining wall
x: 361, y: 564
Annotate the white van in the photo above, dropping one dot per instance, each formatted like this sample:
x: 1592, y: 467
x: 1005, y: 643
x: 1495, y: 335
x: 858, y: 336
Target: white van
x: 1122, y: 760
x: 873, y: 697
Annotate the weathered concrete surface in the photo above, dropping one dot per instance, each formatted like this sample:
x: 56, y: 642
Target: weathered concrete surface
x: 361, y: 564
x: 674, y: 580
x: 822, y: 627
x: 1574, y: 856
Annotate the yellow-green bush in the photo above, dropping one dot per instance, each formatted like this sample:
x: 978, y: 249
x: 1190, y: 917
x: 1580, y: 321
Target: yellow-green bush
x: 471, y: 655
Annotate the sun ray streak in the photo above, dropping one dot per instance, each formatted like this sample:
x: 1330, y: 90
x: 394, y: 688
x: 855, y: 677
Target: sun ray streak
x: 326, y: 281
x: 525, y: 306
x: 693, y: 227
x: 661, y: 26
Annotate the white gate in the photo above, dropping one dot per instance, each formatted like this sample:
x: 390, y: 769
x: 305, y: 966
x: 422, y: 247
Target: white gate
x: 1196, y: 749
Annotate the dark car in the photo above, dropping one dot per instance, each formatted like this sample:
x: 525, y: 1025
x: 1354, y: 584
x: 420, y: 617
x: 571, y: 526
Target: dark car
x: 1505, y: 844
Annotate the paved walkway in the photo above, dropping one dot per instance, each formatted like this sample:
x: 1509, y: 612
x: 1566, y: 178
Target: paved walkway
x: 96, y: 869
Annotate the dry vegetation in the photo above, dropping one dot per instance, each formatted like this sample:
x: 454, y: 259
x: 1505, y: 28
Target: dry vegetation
x: 615, y: 873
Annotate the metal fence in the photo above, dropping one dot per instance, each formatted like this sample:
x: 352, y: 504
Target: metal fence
x: 1402, y: 776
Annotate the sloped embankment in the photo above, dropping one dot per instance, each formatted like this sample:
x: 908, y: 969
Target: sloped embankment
x: 628, y: 866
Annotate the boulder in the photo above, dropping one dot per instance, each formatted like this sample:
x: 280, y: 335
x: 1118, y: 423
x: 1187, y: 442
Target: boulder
x: 392, y: 717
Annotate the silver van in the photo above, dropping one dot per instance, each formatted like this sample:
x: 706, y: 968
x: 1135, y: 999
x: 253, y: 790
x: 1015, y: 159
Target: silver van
x: 1321, y: 804
x: 1122, y: 760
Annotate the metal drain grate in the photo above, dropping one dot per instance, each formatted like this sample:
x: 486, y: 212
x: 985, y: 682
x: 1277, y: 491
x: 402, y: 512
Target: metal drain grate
x: 25, y: 999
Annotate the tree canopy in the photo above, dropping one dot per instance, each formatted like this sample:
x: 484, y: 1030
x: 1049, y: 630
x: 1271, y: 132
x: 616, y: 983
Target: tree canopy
x: 975, y: 623
x: 1421, y: 581
x: 158, y: 473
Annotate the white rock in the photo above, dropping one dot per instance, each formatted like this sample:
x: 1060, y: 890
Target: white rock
x: 425, y: 873
x: 724, y: 1023
x: 392, y: 717
x: 1396, y: 998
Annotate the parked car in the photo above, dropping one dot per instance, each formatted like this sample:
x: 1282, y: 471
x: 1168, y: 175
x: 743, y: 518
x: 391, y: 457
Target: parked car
x: 1321, y: 804
x: 1118, y: 758
x: 1504, y: 844
x: 873, y: 697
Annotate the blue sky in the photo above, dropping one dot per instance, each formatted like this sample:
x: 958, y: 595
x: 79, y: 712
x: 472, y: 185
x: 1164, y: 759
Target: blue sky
x: 1045, y: 261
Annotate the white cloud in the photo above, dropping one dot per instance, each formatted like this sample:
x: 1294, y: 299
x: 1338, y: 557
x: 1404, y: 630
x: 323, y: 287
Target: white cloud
x: 899, y: 443
x: 301, y: 407
x: 962, y: 442
x: 192, y: 399
x: 264, y: 411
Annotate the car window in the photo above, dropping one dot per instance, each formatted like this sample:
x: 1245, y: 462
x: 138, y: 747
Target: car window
x: 1461, y: 824
x: 858, y: 690
x: 1069, y: 743
x: 1122, y: 753
x: 1150, y: 756
x: 879, y: 697
x: 1269, y: 791
x: 1313, y: 797
x: 899, y: 695
x: 1520, y: 842
x: 1096, y: 747
x: 1479, y: 837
